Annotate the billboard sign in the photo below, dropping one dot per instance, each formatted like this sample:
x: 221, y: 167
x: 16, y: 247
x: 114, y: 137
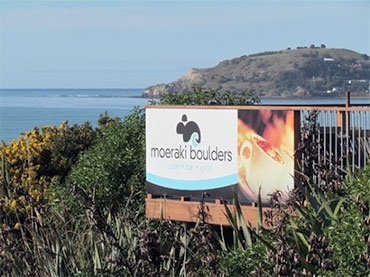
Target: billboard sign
x: 192, y: 152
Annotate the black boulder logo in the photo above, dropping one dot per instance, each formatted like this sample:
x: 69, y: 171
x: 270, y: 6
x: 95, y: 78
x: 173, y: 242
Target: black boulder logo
x: 189, y: 130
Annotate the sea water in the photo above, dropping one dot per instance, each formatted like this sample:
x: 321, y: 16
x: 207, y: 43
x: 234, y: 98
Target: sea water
x: 23, y: 109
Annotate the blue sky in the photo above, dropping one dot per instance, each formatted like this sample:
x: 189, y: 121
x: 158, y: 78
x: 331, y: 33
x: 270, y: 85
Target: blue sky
x: 135, y: 44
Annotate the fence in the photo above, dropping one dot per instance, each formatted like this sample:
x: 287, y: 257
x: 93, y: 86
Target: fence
x: 343, y: 136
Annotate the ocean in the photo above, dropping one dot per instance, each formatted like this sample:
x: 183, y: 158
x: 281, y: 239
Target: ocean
x: 23, y: 109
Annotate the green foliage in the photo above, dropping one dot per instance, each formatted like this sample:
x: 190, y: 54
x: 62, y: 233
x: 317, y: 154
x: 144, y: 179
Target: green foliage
x: 180, y: 249
x: 248, y: 262
x: 65, y: 148
x: 200, y: 96
x: 114, y: 167
x: 59, y: 158
x: 242, y: 238
x: 42, y: 241
x: 307, y: 228
x: 349, y: 235
x: 250, y: 246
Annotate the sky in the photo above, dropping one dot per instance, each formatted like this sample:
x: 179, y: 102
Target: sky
x: 136, y: 44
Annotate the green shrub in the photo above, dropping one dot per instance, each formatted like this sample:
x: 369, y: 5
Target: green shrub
x: 114, y: 167
x: 65, y: 148
x: 349, y: 236
x: 200, y: 96
x: 251, y: 261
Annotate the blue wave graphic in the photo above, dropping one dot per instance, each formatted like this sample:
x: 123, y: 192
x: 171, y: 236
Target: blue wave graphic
x: 192, y: 184
x: 194, y: 138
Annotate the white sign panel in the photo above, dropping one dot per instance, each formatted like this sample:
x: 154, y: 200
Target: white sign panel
x: 191, y: 149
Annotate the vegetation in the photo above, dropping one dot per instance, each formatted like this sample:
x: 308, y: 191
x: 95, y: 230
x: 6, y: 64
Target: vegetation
x: 113, y: 168
x: 200, y: 96
x: 72, y: 204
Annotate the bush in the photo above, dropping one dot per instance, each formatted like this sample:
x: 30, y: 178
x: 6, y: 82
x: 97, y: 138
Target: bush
x: 65, y: 149
x: 201, y: 96
x: 114, y: 167
x: 25, y: 162
x: 246, y: 262
x: 350, y: 236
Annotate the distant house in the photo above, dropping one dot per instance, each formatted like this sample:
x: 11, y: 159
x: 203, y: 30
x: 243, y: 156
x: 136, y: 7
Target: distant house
x: 329, y: 60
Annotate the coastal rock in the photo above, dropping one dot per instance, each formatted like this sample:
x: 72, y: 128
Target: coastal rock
x: 185, y: 83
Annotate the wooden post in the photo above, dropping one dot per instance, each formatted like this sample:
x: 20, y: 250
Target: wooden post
x: 347, y: 122
x: 348, y: 99
x: 297, y: 140
x: 343, y: 117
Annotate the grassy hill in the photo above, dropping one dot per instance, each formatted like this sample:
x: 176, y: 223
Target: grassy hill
x: 302, y: 72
